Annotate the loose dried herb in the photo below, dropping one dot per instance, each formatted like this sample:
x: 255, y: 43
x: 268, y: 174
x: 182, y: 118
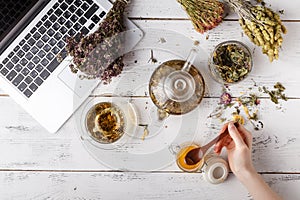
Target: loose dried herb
x: 162, y: 40
x: 232, y: 62
x: 262, y: 25
x: 246, y: 107
x: 152, y: 59
x: 246, y: 103
x: 250, y: 100
x: 225, y: 98
x: 97, y: 55
x: 238, y: 118
x: 276, y: 94
x: 145, y: 132
x: 205, y: 14
x: 281, y: 12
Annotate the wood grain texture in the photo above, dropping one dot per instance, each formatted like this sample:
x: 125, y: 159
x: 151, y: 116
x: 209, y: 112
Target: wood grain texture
x: 134, y: 79
x: 35, y: 164
x: 172, y: 9
x: 109, y: 186
x: 28, y: 146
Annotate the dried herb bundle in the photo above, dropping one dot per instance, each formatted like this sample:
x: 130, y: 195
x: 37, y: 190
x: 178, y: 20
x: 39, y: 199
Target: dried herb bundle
x: 205, y: 14
x: 98, y: 55
x: 262, y: 25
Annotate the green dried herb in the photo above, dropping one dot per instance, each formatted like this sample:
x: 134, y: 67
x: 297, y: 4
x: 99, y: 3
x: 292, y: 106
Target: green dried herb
x: 276, y: 94
x: 250, y: 100
x: 240, y: 107
x: 262, y: 25
x: 232, y: 62
x: 247, y: 105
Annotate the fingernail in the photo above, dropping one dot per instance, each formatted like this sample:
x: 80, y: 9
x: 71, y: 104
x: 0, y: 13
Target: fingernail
x: 231, y: 125
x: 215, y: 148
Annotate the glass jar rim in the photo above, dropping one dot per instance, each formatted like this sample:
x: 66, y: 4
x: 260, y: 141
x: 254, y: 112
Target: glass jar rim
x: 211, y: 64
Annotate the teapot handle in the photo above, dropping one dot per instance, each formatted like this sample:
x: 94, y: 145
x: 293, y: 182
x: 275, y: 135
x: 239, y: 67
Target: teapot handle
x: 190, y: 59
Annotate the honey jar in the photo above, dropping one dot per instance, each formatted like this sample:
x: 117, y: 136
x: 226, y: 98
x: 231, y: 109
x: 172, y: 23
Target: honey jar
x: 180, y: 159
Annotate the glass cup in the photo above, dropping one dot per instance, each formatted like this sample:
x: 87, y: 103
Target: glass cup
x: 105, y: 122
x: 230, y: 62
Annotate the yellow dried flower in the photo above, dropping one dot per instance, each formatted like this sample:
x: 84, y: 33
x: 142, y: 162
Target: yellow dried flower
x: 238, y: 118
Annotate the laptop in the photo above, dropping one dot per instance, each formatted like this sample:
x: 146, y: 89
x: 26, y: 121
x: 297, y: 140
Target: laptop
x: 32, y: 33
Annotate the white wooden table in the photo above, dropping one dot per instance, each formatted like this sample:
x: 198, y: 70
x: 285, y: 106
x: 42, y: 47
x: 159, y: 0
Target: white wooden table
x: 35, y: 164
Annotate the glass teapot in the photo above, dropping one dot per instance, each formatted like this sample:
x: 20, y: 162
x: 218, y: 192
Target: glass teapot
x: 176, y: 86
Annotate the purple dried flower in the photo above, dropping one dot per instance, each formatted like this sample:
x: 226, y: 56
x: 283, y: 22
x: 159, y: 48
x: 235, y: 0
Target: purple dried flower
x: 98, y: 54
x: 225, y: 98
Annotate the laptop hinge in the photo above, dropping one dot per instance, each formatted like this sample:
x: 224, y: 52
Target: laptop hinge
x: 22, y: 24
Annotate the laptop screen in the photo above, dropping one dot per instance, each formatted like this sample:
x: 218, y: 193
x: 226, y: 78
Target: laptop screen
x: 11, y: 12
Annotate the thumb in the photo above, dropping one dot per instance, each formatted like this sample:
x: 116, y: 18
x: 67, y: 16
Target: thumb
x: 234, y: 133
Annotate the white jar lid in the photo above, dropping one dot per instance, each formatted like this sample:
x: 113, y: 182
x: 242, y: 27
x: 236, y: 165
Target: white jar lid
x: 217, y: 172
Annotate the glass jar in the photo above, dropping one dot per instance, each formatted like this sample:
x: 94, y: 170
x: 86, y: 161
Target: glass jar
x: 180, y: 158
x: 230, y: 62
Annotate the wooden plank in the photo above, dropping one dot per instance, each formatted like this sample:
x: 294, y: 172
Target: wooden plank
x: 90, y: 185
x: 134, y: 79
x: 172, y: 9
x: 29, y: 146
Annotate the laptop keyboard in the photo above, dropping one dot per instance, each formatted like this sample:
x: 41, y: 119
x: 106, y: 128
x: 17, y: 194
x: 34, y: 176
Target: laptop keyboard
x: 33, y: 60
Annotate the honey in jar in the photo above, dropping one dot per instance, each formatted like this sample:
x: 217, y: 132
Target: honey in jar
x: 181, y: 159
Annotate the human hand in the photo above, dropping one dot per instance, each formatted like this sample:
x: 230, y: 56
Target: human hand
x: 239, y: 145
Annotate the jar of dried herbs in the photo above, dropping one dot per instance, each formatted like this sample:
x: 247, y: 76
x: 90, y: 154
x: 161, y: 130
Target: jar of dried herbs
x: 230, y: 62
